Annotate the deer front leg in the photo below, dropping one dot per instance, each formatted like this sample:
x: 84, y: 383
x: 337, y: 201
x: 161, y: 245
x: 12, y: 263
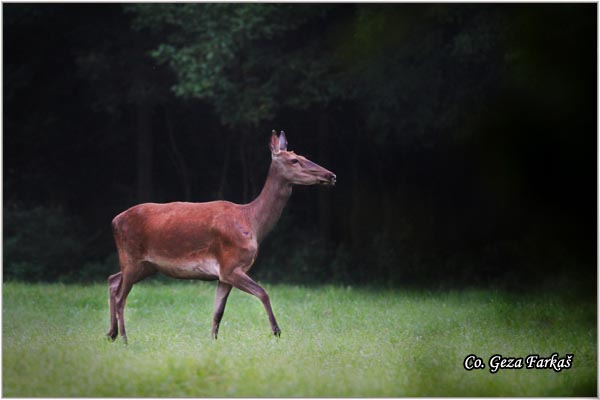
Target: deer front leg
x: 243, y: 282
x: 223, y: 290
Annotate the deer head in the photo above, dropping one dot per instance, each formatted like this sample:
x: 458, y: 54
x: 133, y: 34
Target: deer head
x: 296, y: 169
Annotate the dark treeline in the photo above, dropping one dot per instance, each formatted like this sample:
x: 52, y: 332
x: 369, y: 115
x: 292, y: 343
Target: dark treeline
x: 463, y: 135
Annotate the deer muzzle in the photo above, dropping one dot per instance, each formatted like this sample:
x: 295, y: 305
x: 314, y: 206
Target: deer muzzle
x: 328, y: 179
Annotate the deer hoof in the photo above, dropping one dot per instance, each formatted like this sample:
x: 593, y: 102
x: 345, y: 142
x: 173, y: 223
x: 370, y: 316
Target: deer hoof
x: 111, y: 336
x: 124, y: 338
x: 277, y: 332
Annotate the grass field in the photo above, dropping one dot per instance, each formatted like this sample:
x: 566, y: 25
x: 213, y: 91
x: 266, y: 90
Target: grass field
x: 335, y: 342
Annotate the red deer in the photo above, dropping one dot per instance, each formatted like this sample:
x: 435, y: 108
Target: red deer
x: 216, y: 240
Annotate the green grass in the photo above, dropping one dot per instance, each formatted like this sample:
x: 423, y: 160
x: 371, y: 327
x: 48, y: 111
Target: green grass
x: 335, y: 342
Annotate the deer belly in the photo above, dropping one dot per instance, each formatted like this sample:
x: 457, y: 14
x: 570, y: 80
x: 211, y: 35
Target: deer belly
x: 204, y: 269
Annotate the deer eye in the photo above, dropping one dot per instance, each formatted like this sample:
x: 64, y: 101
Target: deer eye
x: 294, y: 161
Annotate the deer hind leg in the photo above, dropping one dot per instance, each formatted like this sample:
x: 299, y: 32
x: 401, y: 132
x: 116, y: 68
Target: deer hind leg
x: 113, y: 284
x: 120, y: 299
x: 243, y: 282
x: 129, y: 277
x: 223, y: 290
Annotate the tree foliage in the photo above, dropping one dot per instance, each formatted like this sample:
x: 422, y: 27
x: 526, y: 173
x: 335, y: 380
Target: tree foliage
x: 251, y: 60
x: 242, y: 58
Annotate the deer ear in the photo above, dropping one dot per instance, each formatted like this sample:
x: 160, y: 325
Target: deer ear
x: 274, y: 144
x: 282, y: 141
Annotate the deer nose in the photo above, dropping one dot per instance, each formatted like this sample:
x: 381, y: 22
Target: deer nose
x: 332, y: 178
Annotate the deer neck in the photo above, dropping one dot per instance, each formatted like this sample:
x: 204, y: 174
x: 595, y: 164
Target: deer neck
x: 266, y: 209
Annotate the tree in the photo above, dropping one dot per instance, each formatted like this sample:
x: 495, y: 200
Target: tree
x: 242, y: 58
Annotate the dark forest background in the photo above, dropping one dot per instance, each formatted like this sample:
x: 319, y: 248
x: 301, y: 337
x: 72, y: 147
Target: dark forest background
x: 463, y: 136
